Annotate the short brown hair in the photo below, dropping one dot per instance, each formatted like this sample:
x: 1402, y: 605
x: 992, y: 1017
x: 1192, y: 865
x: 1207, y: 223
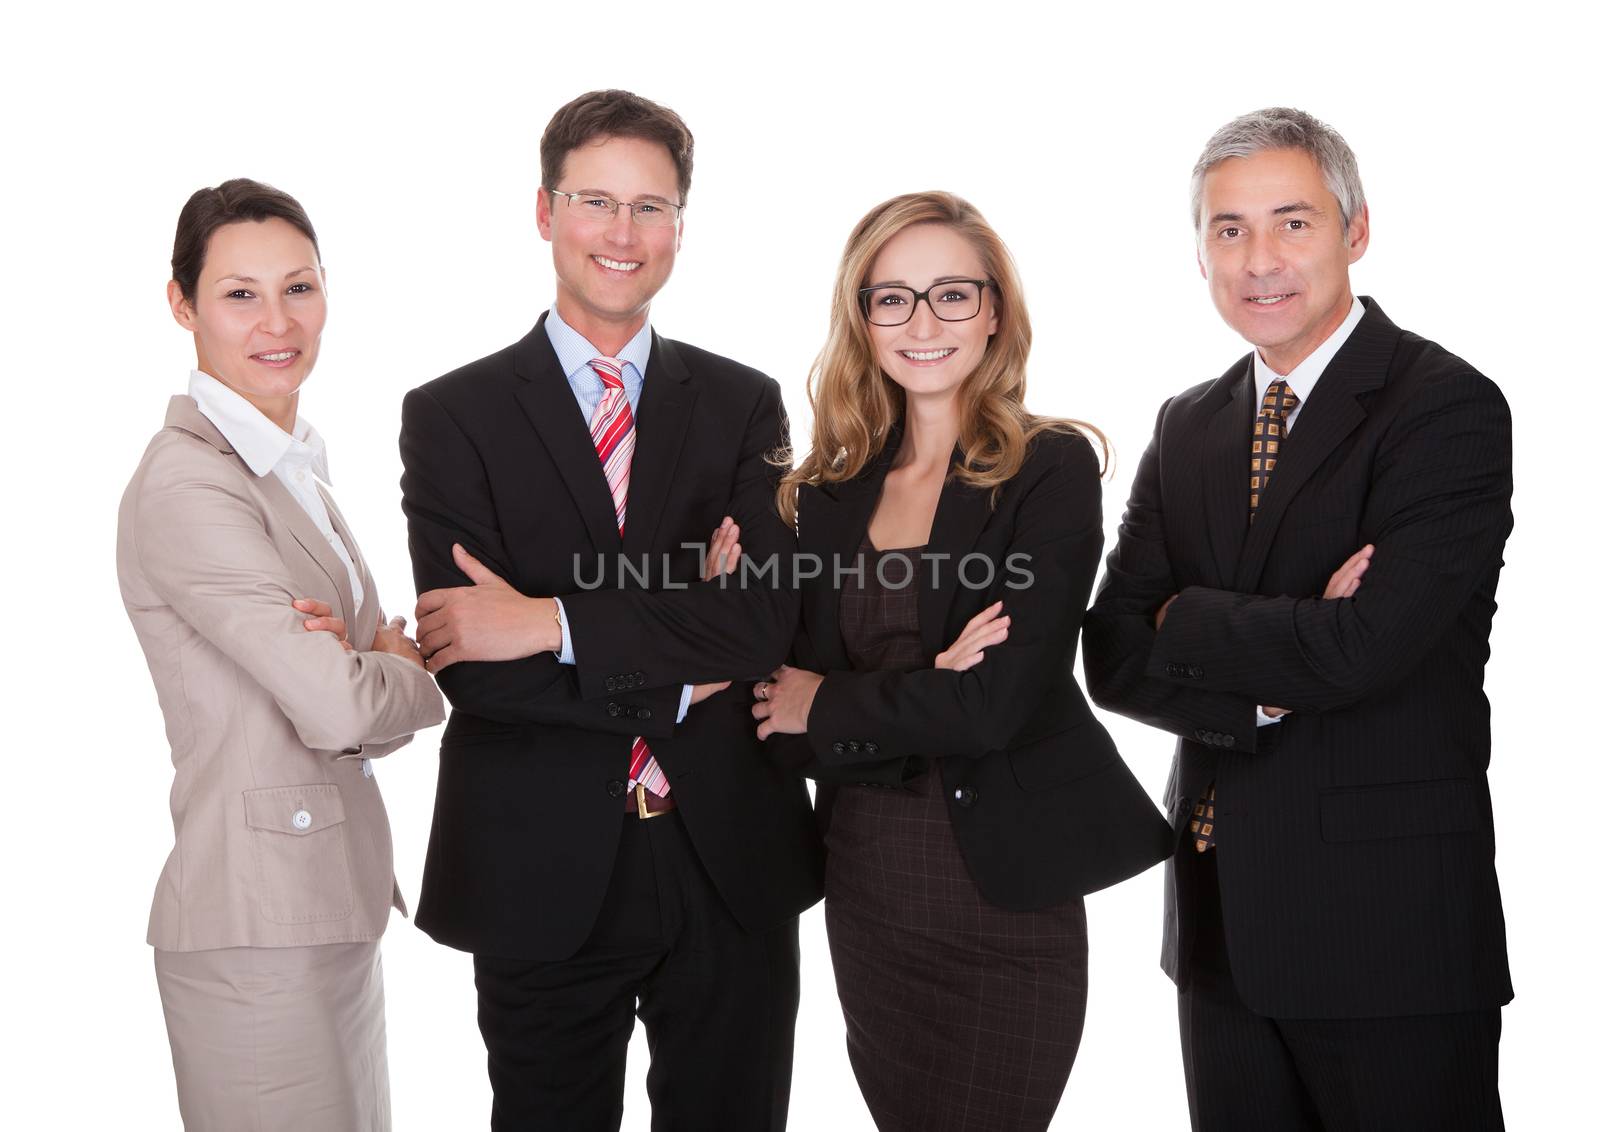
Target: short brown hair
x: 228, y: 203
x: 614, y: 114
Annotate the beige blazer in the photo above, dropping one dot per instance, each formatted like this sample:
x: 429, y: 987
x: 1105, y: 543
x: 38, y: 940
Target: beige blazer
x: 282, y: 839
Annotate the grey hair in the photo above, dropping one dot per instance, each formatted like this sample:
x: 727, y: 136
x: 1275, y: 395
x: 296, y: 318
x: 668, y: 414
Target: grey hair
x: 1280, y: 127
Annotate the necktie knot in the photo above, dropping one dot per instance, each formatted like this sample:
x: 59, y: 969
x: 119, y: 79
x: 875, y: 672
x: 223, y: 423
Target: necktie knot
x: 1279, y: 401
x: 608, y: 370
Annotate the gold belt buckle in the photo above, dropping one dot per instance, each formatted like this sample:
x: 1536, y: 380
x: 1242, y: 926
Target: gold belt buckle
x: 645, y: 813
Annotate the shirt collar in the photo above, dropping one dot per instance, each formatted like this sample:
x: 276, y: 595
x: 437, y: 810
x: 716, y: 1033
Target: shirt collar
x: 575, y: 352
x: 1304, y: 376
x: 259, y: 442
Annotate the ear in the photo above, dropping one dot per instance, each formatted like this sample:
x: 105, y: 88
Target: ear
x: 994, y: 312
x: 541, y: 212
x: 677, y: 242
x: 1358, y: 234
x: 1200, y: 260
x: 182, y: 309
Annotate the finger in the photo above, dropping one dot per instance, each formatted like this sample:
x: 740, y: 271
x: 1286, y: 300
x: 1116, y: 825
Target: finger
x: 431, y: 643
x: 431, y: 624
x: 312, y: 606
x: 761, y: 709
x: 432, y: 600
x: 347, y: 646
x: 480, y: 574
x: 764, y: 730
x: 969, y: 661
x: 397, y: 623
x: 441, y: 660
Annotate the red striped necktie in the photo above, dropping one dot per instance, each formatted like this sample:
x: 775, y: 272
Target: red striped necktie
x: 611, y: 428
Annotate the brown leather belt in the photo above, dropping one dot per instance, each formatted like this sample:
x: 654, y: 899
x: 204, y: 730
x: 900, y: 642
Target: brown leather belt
x: 648, y: 804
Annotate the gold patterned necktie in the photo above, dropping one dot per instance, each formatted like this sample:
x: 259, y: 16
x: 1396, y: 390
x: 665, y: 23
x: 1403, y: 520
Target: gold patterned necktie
x: 1271, y: 430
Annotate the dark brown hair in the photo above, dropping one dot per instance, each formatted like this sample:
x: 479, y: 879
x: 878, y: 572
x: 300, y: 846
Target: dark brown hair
x: 228, y: 203
x: 614, y: 114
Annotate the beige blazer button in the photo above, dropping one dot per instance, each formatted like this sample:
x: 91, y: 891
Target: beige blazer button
x: 301, y: 819
x: 366, y: 768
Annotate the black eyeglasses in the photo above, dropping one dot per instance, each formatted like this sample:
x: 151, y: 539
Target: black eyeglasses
x: 598, y: 206
x: 953, y: 300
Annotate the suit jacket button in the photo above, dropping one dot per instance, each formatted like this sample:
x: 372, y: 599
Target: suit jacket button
x: 616, y: 788
x: 614, y: 710
x: 838, y: 748
x: 966, y: 796
x: 1185, y: 806
x: 1227, y: 740
x: 644, y: 713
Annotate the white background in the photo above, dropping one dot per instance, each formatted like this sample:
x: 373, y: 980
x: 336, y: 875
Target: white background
x: 410, y: 133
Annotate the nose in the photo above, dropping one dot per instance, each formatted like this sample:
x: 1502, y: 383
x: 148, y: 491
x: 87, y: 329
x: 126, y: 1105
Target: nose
x: 620, y: 228
x: 923, y: 325
x: 275, y: 317
x: 1263, y: 256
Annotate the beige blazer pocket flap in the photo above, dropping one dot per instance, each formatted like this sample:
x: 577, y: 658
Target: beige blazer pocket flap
x: 298, y: 810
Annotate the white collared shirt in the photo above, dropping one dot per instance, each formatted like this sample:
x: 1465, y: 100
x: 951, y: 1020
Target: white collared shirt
x: 300, y: 461
x: 1303, y: 378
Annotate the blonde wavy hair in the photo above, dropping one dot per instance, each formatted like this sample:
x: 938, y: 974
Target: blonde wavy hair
x: 854, y: 404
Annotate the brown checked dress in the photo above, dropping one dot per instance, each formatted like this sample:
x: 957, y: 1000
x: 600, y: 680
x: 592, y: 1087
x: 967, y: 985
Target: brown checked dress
x: 958, y: 1014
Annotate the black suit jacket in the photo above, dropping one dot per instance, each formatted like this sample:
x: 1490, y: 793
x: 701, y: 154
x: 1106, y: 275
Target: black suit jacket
x: 1043, y: 807
x: 1355, y: 840
x: 534, y: 761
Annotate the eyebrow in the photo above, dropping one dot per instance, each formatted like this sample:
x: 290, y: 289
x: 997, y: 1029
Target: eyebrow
x: 935, y: 283
x: 1281, y: 210
x: 253, y: 279
x: 614, y: 196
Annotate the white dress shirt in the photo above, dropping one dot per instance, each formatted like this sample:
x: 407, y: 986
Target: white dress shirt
x: 300, y: 461
x: 1302, y: 380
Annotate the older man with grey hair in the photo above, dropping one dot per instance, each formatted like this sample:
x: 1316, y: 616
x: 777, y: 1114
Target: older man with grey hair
x: 1302, y: 591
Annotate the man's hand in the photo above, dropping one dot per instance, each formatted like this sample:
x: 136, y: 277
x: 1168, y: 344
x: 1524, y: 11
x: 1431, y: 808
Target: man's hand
x: 783, y: 704
x: 391, y: 638
x: 1344, y: 582
x: 722, y: 556
x: 488, y: 620
x: 703, y: 692
x: 1346, y: 578
x: 1161, y: 614
x: 320, y: 619
x: 986, y: 628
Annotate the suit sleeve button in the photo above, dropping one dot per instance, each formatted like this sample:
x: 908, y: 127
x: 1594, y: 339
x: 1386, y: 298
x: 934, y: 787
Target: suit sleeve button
x: 871, y: 748
x: 838, y: 748
x: 854, y: 746
x: 616, y: 788
x: 1227, y: 740
x: 614, y: 710
x: 644, y: 713
x: 611, y: 683
x: 966, y: 796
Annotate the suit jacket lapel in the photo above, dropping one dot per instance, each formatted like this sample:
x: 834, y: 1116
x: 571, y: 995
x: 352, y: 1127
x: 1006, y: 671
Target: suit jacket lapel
x: 183, y: 413
x: 555, y: 415
x: 1330, y: 414
x: 665, y: 404
x: 833, y: 526
x: 1225, y: 462
x: 962, y: 513
x: 366, y: 618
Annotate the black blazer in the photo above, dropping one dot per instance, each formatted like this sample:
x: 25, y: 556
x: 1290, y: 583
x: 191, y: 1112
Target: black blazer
x: 1043, y: 807
x: 1355, y: 842
x: 533, y: 763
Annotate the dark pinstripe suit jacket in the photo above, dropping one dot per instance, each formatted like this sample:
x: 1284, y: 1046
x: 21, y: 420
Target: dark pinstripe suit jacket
x: 1356, y: 842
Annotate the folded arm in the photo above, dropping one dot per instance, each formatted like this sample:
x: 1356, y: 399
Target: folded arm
x: 1439, y: 511
x: 205, y: 551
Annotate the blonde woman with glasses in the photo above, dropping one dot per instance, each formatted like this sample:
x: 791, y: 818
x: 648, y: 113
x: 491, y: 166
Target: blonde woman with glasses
x: 968, y: 796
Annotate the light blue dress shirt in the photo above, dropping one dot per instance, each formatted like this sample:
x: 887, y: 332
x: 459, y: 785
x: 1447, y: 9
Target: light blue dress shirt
x: 575, y: 352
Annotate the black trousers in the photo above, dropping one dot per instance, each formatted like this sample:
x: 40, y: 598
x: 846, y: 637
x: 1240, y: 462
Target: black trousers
x: 1246, y: 1072
x: 718, y: 1005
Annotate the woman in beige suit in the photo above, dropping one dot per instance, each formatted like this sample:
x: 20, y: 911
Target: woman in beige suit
x: 280, y: 684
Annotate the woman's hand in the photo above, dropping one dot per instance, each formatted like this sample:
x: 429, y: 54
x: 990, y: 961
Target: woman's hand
x: 392, y: 639
x: 722, y: 556
x: 986, y: 628
x: 320, y: 619
x: 783, y: 704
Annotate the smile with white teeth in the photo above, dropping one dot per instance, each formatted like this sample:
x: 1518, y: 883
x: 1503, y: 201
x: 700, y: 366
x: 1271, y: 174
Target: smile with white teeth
x: 617, y: 264
x: 280, y: 356
x: 928, y: 355
x: 1268, y: 300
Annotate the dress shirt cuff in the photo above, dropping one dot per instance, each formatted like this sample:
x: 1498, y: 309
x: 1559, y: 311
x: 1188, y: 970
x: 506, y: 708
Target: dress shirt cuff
x: 565, y: 655
x: 683, y: 701
x: 1264, y: 720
